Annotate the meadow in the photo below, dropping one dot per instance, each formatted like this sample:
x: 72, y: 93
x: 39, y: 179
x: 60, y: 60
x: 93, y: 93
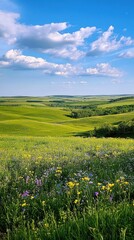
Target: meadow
x: 57, y: 186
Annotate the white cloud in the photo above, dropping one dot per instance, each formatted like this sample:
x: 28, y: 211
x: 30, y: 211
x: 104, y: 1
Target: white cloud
x: 16, y: 60
x: 104, y: 69
x: 66, y: 52
x: 108, y: 42
x: 54, y: 38
x: 8, y: 26
x: 46, y: 38
x: 127, y: 54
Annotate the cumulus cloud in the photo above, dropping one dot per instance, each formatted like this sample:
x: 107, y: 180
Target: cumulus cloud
x: 48, y: 38
x: 55, y: 39
x: 66, y: 52
x: 108, y: 42
x: 16, y: 60
x: 104, y: 69
x: 8, y: 26
x: 127, y: 54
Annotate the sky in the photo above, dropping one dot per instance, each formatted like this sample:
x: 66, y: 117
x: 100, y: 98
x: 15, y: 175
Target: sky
x: 66, y: 47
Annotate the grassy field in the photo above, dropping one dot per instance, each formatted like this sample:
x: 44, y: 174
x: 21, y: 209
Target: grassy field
x: 36, y: 116
x: 66, y: 188
x: 54, y: 186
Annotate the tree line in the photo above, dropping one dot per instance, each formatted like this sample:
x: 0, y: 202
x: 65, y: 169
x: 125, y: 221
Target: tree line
x: 94, y: 111
x: 125, y: 129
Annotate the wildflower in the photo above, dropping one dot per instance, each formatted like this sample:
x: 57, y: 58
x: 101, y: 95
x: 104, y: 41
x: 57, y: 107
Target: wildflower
x: 126, y: 183
x: 85, y: 178
x: 76, y: 201
x: 58, y: 171
x: 38, y: 182
x: 71, y: 184
x: 78, y: 193
x: 32, y: 197
x: 118, y: 180
x: 96, y: 194
x: 25, y: 194
x: 99, y: 184
x: 103, y: 188
x: 24, y: 204
x: 110, y: 185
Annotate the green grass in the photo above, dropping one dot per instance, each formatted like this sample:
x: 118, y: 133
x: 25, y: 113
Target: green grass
x: 118, y: 103
x: 43, y: 120
x: 48, y: 188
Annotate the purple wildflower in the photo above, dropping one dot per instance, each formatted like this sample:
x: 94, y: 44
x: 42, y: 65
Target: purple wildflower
x: 25, y: 194
x: 38, y: 182
x: 96, y: 194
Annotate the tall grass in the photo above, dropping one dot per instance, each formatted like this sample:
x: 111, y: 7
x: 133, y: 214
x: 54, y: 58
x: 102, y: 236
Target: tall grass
x: 66, y: 188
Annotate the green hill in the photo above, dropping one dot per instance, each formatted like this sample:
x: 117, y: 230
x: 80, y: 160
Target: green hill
x: 38, y: 117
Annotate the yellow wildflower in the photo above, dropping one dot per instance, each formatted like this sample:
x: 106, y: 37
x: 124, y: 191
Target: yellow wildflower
x: 24, y: 204
x: 85, y: 178
x: 71, y: 184
x: 76, y: 201
x: 126, y: 183
x: 110, y: 185
x: 58, y: 171
x: 118, y: 180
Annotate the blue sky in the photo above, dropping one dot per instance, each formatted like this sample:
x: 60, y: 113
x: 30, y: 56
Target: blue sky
x: 77, y: 47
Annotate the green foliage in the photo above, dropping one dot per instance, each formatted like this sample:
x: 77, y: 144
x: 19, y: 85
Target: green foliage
x: 94, y: 111
x: 124, y: 129
x: 122, y: 98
